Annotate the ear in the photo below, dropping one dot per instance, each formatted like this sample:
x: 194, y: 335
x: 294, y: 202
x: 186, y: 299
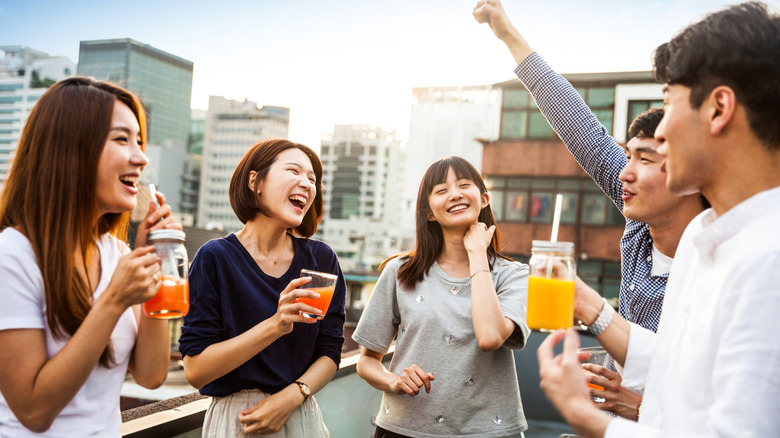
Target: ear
x: 252, y: 180
x: 723, y: 105
x: 485, y: 200
x: 430, y: 216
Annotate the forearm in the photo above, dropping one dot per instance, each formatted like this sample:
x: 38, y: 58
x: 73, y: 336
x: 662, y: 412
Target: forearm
x: 36, y: 387
x: 491, y: 327
x: 319, y: 374
x: 517, y: 45
x: 152, y: 352
x: 587, y: 420
x: 223, y: 357
x: 370, y: 369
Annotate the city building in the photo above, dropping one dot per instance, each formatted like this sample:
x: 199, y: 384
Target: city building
x: 190, y: 177
x: 446, y: 121
x: 362, y: 185
x: 163, y: 82
x: 231, y: 128
x: 25, y: 74
x: 527, y: 166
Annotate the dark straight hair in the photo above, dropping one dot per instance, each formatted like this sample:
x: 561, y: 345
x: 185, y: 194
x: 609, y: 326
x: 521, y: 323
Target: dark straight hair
x: 430, y: 239
x: 51, y: 191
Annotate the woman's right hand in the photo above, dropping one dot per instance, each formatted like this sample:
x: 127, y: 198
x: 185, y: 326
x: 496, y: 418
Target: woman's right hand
x: 137, y: 277
x: 411, y: 380
x: 289, y: 309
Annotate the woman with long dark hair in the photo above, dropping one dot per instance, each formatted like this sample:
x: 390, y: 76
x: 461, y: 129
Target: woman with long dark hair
x: 70, y: 320
x: 456, y: 308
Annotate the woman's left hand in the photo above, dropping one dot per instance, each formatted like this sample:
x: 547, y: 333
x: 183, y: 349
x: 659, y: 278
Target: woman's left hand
x: 478, y: 237
x: 156, y: 218
x: 271, y: 413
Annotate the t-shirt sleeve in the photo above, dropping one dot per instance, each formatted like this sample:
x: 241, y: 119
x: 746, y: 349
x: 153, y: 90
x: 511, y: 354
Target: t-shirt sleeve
x: 512, y: 290
x: 203, y: 324
x: 378, y: 324
x: 330, y: 338
x: 22, y: 284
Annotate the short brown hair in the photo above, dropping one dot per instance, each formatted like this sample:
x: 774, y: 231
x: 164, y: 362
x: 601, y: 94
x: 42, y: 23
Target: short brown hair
x: 259, y: 158
x: 645, y: 124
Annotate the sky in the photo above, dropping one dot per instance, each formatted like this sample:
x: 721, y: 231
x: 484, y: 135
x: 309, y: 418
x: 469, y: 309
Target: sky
x: 338, y: 62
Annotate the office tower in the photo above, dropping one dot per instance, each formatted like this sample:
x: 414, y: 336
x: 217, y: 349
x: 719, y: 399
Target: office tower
x: 362, y: 184
x: 231, y: 128
x: 25, y: 74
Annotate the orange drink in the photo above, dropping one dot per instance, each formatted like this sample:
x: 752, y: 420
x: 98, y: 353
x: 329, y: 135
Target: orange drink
x: 550, y: 303
x: 322, y: 283
x: 323, y: 302
x: 171, y: 301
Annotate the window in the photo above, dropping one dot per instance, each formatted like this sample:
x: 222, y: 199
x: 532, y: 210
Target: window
x: 532, y: 200
x: 521, y: 118
x: 637, y: 107
x: 603, y: 276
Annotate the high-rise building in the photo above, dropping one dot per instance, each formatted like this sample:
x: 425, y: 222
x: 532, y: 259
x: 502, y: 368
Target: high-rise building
x: 527, y: 166
x: 362, y: 185
x: 231, y: 128
x: 163, y: 82
x: 447, y: 121
x: 25, y: 74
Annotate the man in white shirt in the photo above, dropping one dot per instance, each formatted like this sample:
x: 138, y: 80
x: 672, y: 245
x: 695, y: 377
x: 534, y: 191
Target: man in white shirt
x: 713, y: 368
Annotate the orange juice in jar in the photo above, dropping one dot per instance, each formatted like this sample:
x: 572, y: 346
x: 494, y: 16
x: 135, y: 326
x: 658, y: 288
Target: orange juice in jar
x: 172, y: 299
x: 551, y: 285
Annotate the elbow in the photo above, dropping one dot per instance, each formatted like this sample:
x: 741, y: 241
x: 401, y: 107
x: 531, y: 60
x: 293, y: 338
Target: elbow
x: 490, y: 343
x: 37, y: 421
x: 154, y: 382
x: 193, y: 379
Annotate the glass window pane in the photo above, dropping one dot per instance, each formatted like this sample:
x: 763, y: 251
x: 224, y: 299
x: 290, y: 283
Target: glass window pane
x: 497, y: 204
x: 517, y: 183
x: 541, y: 207
x: 589, y: 186
x: 611, y: 288
x: 538, y: 126
x: 515, y: 99
x: 513, y: 124
x: 568, y: 184
x: 516, y: 206
x: 569, y: 208
x: 593, y: 208
x: 581, y: 92
x: 605, y: 118
x: 614, y: 217
x: 612, y: 268
x: 543, y: 183
x: 601, y: 97
x: 494, y: 182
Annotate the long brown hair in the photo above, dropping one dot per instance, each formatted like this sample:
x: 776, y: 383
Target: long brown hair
x: 51, y: 195
x: 430, y: 239
x: 259, y: 158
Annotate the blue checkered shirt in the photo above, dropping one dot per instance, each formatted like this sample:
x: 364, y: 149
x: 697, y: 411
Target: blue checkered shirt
x: 641, y: 294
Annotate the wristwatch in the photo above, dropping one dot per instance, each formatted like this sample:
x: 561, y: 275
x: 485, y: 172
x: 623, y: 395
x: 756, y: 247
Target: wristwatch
x: 603, y: 320
x: 304, y: 390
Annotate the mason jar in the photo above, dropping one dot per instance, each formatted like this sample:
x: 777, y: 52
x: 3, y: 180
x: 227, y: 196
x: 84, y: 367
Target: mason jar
x: 551, y: 285
x: 173, y: 298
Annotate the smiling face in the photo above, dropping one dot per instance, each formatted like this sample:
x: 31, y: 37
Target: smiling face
x: 288, y: 189
x: 456, y: 202
x: 645, y: 195
x: 121, y: 163
x: 680, y: 134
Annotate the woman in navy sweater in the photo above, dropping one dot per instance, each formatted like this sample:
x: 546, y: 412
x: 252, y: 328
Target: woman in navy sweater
x: 240, y: 341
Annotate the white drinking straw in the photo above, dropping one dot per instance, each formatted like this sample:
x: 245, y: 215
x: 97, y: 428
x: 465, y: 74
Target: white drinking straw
x: 554, y: 234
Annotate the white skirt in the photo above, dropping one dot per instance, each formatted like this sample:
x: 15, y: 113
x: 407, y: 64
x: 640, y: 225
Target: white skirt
x: 222, y: 417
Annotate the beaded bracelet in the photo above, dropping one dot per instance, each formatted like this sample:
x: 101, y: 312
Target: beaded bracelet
x: 481, y: 270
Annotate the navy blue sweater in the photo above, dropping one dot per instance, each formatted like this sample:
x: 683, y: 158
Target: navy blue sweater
x: 229, y: 294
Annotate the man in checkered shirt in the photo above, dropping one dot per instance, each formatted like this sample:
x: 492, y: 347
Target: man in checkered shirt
x: 630, y: 175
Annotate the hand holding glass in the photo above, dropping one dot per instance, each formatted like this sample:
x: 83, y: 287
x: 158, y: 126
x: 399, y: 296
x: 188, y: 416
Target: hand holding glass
x: 594, y: 355
x: 322, y: 283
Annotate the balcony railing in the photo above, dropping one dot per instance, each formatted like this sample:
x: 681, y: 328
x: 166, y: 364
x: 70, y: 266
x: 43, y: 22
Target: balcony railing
x: 348, y: 404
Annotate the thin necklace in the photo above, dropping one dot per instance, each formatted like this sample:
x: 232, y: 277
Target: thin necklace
x: 284, y: 248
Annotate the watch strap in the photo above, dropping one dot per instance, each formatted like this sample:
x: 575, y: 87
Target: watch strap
x: 304, y: 390
x: 603, y: 320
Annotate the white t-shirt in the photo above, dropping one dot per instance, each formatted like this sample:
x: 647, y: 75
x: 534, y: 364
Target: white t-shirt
x: 94, y: 411
x: 662, y: 264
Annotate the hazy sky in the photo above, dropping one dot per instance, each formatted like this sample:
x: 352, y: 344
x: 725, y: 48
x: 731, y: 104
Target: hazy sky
x: 347, y: 61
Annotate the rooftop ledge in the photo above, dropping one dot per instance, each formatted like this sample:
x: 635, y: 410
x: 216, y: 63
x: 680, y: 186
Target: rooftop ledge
x: 348, y: 404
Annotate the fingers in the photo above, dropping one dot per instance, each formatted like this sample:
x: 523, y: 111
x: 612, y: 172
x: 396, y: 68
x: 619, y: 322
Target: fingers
x: 414, y: 378
x: 545, y: 353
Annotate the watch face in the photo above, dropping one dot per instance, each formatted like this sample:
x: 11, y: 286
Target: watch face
x: 304, y: 388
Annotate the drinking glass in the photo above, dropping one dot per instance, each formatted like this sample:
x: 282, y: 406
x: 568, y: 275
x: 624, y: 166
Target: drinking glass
x: 598, y: 356
x: 322, y: 283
